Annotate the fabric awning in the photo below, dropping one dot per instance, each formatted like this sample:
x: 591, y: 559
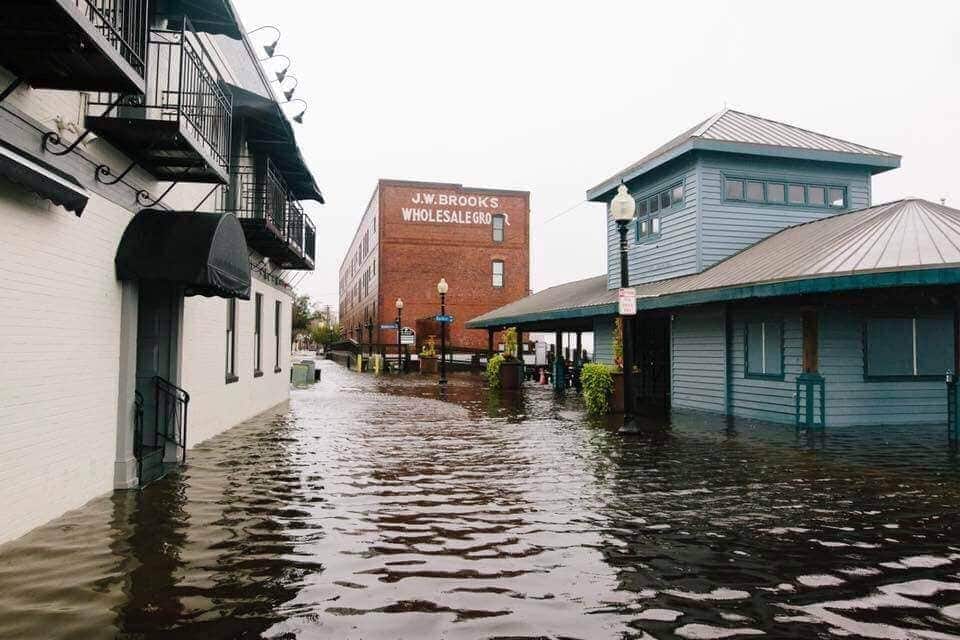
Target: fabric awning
x: 270, y: 132
x: 43, y: 179
x: 208, y: 16
x: 205, y: 252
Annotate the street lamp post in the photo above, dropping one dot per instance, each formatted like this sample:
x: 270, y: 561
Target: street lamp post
x: 399, y: 329
x: 442, y: 288
x: 622, y: 208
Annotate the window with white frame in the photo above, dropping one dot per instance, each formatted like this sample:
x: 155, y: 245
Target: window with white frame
x: 257, y: 333
x: 231, y: 336
x: 498, y: 222
x: 763, y: 346
x: 497, y: 266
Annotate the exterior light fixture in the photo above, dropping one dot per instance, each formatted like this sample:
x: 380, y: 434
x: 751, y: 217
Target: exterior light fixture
x: 283, y: 72
x: 270, y: 48
x: 299, y: 117
x: 399, y: 303
x: 443, y: 287
x: 622, y: 208
x: 288, y: 93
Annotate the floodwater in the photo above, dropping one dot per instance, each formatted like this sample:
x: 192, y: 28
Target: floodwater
x: 375, y: 509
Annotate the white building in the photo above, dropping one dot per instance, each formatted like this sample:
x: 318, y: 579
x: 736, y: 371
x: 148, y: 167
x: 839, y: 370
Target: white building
x: 150, y: 190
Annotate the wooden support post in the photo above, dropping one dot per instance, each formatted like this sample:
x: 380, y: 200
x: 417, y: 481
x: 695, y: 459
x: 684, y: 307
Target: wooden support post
x: 579, y: 356
x: 559, y: 365
x: 489, y: 343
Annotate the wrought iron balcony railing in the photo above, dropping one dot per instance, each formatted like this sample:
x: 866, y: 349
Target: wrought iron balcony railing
x: 295, y: 218
x: 257, y: 192
x: 179, y: 129
x: 124, y: 25
x: 85, y: 45
x: 309, y: 240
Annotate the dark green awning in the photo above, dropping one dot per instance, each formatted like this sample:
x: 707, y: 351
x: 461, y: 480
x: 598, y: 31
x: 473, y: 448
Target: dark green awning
x: 205, y: 252
x: 42, y: 178
x: 208, y: 16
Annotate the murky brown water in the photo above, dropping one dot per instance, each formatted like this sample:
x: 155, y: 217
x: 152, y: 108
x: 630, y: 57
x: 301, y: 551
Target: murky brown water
x: 371, y: 509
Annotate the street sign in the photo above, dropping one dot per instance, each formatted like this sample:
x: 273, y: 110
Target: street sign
x: 392, y: 325
x: 443, y: 319
x: 408, y: 336
x: 627, y: 301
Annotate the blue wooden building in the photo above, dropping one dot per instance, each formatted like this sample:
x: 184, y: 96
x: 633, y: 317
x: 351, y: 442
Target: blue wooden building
x: 768, y: 284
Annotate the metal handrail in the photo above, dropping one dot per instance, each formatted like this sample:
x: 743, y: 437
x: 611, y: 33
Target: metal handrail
x: 295, y: 217
x: 309, y: 238
x: 133, y: 17
x: 176, y: 402
x: 256, y: 191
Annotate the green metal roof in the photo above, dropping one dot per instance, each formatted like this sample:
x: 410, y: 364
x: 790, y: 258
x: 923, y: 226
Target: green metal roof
x: 737, y: 132
x: 902, y: 243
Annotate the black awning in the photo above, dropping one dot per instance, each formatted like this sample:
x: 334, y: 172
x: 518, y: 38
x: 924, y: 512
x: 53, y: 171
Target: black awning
x: 270, y: 132
x: 205, y: 252
x: 208, y: 16
x: 43, y: 179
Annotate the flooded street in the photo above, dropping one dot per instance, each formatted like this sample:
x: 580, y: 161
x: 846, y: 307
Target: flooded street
x: 373, y: 509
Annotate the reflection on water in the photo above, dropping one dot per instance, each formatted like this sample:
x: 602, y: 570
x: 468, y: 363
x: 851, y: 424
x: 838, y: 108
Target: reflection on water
x: 381, y: 509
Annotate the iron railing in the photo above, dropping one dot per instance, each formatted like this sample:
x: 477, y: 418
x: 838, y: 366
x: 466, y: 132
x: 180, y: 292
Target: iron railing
x: 171, y: 407
x: 309, y: 239
x: 123, y: 23
x: 256, y: 191
x: 182, y: 86
x: 295, y: 224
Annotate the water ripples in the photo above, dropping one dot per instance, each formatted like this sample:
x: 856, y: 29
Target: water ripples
x: 375, y: 509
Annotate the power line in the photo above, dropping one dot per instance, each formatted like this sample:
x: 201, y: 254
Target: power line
x: 562, y: 213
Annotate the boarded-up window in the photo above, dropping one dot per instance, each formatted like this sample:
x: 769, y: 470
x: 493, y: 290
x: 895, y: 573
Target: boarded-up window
x: 764, y: 348
x: 909, y: 347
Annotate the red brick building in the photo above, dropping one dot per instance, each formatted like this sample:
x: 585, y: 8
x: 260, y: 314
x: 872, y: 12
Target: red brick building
x: 414, y: 233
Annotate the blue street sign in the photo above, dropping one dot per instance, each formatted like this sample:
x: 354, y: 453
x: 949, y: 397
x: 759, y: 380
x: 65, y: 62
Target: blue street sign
x: 443, y: 319
x: 392, y: 325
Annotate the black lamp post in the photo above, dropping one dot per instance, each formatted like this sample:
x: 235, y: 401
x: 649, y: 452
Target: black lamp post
x: 622, y: 208
x: 442, y: 288
x: 369, y: 337
x: 399, y: 329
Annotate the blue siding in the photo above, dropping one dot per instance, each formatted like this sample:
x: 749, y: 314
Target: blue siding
x: 603, y: 340
x: 771, y: 400
x: 674, y: 253
x: 851, y: 400
x: 729, y: 227
x: 698, y: 360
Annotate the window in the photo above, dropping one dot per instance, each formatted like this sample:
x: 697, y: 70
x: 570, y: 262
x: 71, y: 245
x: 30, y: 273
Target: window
x: 231, y: 364
x: 764, y: 349
x: 837, y: 197
x: 734, y: 189
x: 908, y: 347
x: 754, y: 191
x: 498, y: 274
x: 498, y: 221
x: 276, y: 336
x: 676, y: 194
x: 651, y: 208
x: 257, y: 331
x: 816, y: 196
x: 795, y: 194
x: 776, y: 192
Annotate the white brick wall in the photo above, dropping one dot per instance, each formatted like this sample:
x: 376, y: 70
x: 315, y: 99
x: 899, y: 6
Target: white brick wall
x: 59, y: 349
x: 215, y: 405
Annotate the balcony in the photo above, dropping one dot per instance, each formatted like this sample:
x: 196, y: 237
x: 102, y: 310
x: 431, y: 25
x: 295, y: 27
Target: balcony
x: 179, y: 128
x: 272, y: 223
x: 80, y: 45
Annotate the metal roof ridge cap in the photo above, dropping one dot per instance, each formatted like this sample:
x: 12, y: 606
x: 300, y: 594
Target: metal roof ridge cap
x: 709, y: 122
x: 843, y: 157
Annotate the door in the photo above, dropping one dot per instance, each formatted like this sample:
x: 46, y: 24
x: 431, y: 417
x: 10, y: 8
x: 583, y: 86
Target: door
x: 158, y: 316
x: 652, y: 355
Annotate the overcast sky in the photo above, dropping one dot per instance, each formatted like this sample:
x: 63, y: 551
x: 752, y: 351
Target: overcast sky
x: 555, y: 97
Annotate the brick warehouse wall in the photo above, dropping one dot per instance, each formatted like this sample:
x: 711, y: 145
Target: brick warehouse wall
x: 432, y: 231
x: 445, y: 232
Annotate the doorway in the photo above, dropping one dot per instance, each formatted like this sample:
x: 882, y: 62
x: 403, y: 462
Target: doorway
x: 158, y: 323
x: 652, y: 357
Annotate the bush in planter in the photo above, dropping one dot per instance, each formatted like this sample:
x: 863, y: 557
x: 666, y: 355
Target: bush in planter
x: 510, y: 343
x: 493, y: 371
x: 597, y: 380
x: 429, y: 348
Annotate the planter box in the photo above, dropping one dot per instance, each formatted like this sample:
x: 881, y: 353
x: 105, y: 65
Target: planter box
x: 428, y: 364
x: 616, y: 400
x: 510, y: 375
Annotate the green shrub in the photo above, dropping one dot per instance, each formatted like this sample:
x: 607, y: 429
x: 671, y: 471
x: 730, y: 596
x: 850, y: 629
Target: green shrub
x: 510, y: 343
x: 493, y: 371
x: 597, y: 380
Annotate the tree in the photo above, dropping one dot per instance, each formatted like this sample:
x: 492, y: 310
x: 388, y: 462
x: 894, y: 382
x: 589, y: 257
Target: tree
x: 326, y: 334
x: 302, y: 314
